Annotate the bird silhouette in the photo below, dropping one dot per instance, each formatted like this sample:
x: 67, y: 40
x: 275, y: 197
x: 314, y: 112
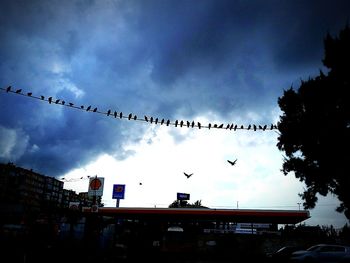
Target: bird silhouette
x: 50, y: 99
x: 146, y: 119
x: 88, y: 108
x: 120, y: 115
x: 232, y: 162
x: 167, y: 122
x: 115, y: 114
x: 18, y: 91
x: 95, y: 110
x: 108, y: 112
x: 57, y: 101
x: 199, y: 125
x: 29, y: 94
x: 188, y: 175
x: 71, y: 104
x: 42, y: 97
x: 8, y: 89
x: 135, y: 118
x: 129, y: 117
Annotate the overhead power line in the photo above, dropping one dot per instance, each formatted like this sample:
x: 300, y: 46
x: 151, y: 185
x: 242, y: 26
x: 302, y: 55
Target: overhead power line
x: 148, y: 119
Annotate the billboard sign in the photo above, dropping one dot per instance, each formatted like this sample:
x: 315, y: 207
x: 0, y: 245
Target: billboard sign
x: 183, y: 196
x: 118, y: 191
x: 96, y: 186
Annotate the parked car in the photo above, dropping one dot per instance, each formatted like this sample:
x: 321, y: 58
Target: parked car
x: 282, y: 254
x: 322, y: 253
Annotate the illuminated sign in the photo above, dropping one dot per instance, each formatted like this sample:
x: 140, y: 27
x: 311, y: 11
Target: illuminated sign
x: 96, y: 186
x: 118, y: 191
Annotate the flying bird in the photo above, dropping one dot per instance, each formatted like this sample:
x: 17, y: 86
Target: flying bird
x: 232, y: 162
x: 188, y: 175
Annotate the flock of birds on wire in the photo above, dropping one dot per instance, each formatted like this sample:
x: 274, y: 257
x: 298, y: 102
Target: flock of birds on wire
x: 151, y: 120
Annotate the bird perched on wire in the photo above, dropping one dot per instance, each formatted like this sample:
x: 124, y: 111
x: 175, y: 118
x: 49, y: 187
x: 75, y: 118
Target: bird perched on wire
x: 188, y: 175
x: 232, y: 162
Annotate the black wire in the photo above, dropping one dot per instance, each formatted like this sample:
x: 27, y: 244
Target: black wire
x: 151, y: 120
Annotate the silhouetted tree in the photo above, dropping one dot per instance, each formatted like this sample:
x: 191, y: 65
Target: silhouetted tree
x: 184, y: 203
x: 315, y: 127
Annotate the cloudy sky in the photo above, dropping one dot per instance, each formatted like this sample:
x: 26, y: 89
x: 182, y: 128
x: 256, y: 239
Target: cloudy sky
x: 208, y: 61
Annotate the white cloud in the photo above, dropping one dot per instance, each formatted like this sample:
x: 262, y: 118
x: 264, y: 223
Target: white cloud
x: 13, y: 143
x: 255, y: 182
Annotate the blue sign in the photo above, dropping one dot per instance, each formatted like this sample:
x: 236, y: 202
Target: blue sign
x: 183, y: 196
x: 118, y: 191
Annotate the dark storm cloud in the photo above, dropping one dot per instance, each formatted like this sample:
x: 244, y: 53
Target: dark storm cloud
x: 168, y: 59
